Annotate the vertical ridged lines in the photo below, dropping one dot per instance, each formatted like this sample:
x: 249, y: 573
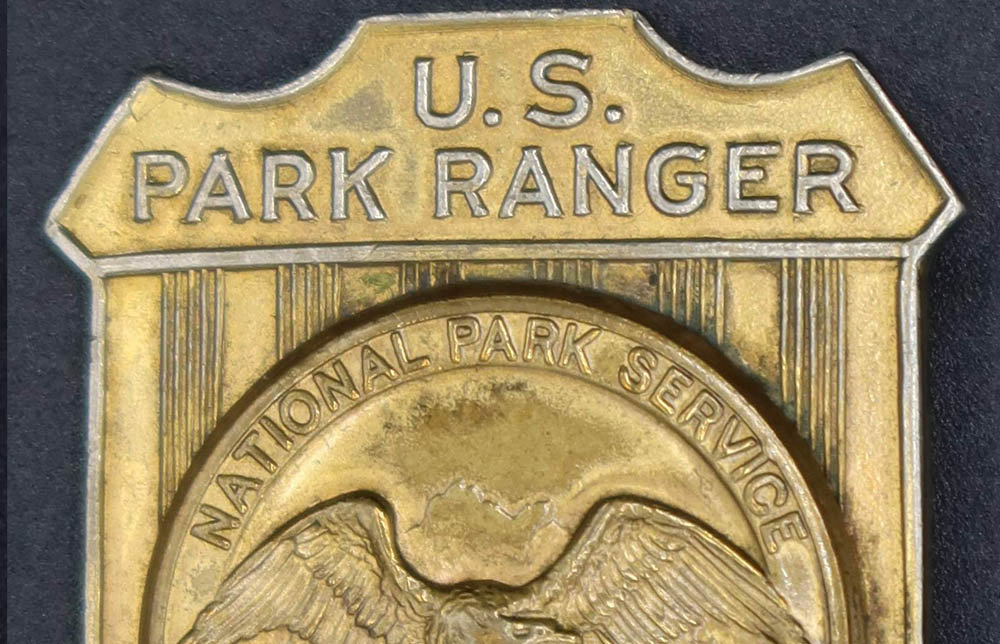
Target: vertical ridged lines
x: 190, y: 369
x: 692, y: 292
x: 308, y: 296
x: 308, y: 300
x: 578, y: 272
x: 417, y: 276
x: 811, y: 343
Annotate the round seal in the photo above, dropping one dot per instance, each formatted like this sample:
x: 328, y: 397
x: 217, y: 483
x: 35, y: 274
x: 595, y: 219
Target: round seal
x: 496, y: 469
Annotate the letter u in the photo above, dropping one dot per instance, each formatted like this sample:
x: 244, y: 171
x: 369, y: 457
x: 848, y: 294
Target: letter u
x: 466, y: 94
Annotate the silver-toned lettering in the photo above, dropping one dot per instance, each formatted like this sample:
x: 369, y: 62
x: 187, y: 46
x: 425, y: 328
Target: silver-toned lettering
x: 357, y: 180
x: 697, y: 182
x: 220, y: 189
x: 806, y: 180
x: 294, y: 192
x: 445, y: 185
x: 576, y: 92
x: 466, y: 94
x: 147, y: 187
x: 531, y: 167
x: 737, y: 174
x: 587, y: 170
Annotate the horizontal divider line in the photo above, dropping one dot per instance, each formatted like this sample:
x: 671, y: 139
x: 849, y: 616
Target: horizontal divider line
x: 614, y: 250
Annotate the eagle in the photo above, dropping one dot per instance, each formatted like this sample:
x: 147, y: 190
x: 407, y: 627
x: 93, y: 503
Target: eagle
x: 634, y: 573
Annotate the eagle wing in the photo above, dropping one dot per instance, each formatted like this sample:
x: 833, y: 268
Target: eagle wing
x: 334, y: 577
x: 638, y: 574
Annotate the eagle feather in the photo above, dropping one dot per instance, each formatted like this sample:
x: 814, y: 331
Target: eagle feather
x: 635, y: 573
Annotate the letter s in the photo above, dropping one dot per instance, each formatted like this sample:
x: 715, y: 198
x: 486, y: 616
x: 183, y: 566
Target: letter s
x: 575, y: 91
x: 637, y: 375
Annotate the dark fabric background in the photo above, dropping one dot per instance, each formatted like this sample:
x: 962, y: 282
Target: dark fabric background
x: 70, y: 62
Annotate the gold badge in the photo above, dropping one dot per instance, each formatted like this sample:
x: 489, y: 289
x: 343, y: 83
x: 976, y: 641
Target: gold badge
x: 506, y: 328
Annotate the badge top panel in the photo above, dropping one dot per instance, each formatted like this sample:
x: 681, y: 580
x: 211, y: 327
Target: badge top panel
x: 432, y: 129
x: 510, y: 328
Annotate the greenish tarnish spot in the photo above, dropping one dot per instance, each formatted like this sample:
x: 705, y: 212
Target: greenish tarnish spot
x: 379, y: 281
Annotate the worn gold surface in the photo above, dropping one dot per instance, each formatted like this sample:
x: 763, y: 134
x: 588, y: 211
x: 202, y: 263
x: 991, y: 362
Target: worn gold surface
x: 490, y: 460
x: 499, y: 464
x: 357, y: 103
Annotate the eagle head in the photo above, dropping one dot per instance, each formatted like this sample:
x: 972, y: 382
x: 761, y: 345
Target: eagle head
x: 478, y: 617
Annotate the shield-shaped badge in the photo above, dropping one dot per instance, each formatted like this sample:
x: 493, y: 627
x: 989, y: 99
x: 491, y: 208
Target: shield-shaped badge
x: 506, y: 328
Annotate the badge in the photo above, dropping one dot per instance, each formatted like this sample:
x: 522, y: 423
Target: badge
x: 506, y: 328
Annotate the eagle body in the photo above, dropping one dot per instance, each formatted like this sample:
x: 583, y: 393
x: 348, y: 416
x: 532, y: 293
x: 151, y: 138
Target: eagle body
x: 635, y: 573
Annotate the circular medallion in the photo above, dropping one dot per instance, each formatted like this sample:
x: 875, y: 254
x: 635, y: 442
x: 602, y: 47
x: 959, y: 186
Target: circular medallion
x: 501, y: 469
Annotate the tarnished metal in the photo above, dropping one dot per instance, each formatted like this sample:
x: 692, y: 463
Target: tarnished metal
x: 506, y: 327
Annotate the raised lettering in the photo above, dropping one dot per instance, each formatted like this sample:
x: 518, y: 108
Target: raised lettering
x: 218, y: 520
x: 730, y: 441
x: 706, y: 409
x: 697, y: 182
x: 587, y: 171
x: 498, y: 339
x: 807, y: 179
x: 147, y: 186
x: 445, y: 185
x: 299, y: 411
x: 541, y: 334
x: 295, y: 192
x: 341, y: 384
x: 248, y: 447
x: 636, y: 374
x: 784, y: 528
x: 765, y: 492
x: 574, y: 348
x: 276, y: 433
x: 423, y: 100
x: 462, y: 332
x: 406, y: 363
x: 530, y: 167
x: 374, y: 366
x: 574, y: 91
x: 236, y: 488
x: 737, y: 174
x: 219, y: 189
x: 344, y: 181
x: 671, y: 388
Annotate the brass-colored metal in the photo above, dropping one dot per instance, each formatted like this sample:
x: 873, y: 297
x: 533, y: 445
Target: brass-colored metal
x: 506, y: 328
